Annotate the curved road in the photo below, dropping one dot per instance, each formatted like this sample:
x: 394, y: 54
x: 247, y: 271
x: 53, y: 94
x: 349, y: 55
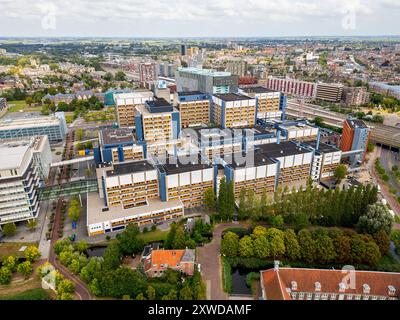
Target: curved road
x: 209, y: 258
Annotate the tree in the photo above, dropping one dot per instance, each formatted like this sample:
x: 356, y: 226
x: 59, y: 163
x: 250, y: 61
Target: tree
x: 307, y: 246
x: 324, y: 249
x: 301, y: 221
x: 108, y: 76
x: 79, y: 133
x: 372, y: 254
x: 230, y: 244
x: 277, y: 222
x: 185, y: 293
x: 92, y: 269
x: 66, y: 287
x: 382, y: 240
x: 223, y: 199
x: 5, y: 275
x: 151, y: 293
x: 358, y: 248
x: 376, y: 219
x: 292, y: 247
x: 25, y: 268
x: 32, y: 253
x: 180, y: 238
x: 340, y: 173
x: 119, y: 76
x: 81, y: 246
x: 11, y: 263
x: 230, y: 200
x: 9, y: 229
x: 112, y: 256
x: 128, y: 240
x: 246, y: 247
x: 261, y: 247
x: 74, y: 211
x: 28, y: 100
x: 172, y: 295
x: 32, y: 224
x: 140, y: 296
x: 276, y: 242
x: 209, y: 199
x: 342, y: 246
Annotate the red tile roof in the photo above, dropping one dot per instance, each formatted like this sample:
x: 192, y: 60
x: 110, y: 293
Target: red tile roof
x: 276, y: 282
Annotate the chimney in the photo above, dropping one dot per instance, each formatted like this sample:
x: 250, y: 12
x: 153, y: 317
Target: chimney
x: 276, y: 265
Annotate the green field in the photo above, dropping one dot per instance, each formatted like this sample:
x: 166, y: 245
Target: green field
x: 152, y: 236
x: 32, y: 294
x: 16, y: 106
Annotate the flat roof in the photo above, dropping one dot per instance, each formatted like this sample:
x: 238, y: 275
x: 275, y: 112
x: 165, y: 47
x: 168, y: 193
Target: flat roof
x: 95, y: 204
x: 115, y: 136
x: 28, y: 122
x: 356, y: 123
x: 323, y: 147
x: 283, y: 149
x: 205, y: 72
x: 129, y: 167
x: 11, y: 157
x: 249, y: 159
x: 232, y: 97
x: 175, y: 165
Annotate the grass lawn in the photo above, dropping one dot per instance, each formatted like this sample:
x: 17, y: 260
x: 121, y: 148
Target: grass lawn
x: 19, y: 287
x: 152, y: 236
x: 31, y: 294
x: 69, y: 118
x: 11, y: 249
x: 16, y: 106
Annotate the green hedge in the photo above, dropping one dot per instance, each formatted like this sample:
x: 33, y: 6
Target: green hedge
x: 227, y: 275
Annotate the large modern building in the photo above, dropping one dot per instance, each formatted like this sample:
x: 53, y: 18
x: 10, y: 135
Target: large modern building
x: 19, y: 180
x: 270, y: 104
x: 118, y: 145
x: 125, y: 106
x: 54, y: 126
x: 194, y: 108
x: 205, y: 80
x: 355, y: 136
x: 157, y: 120
x: 328, y: 284
x: 233, y: 110
x: 331, y: 92
x: 185, y: 179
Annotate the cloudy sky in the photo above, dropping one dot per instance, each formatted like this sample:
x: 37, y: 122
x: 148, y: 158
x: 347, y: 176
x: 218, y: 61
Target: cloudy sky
x: 194, y: 18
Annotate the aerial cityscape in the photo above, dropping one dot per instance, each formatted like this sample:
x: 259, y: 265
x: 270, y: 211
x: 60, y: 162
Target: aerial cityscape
x: 160, y: 165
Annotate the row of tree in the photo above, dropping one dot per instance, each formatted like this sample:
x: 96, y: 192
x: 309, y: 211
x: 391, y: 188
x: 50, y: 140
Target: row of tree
x: 320, y: 246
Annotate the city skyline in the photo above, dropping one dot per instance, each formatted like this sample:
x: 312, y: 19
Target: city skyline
x: 160, y: 18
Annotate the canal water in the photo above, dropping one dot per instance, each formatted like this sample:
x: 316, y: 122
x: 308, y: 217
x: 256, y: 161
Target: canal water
x: 239, y: 285
x: 96, y: 251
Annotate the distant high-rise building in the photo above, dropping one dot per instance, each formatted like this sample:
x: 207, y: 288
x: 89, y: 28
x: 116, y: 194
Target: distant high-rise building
x: 183, y: 49
x: 355, y: 136
x: 205, y: 80
x: 238, y: 68
x: 148, y: 72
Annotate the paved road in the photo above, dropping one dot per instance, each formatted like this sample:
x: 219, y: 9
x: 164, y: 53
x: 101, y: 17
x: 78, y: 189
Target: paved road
x: 384, y: 190
x: 209, y: 258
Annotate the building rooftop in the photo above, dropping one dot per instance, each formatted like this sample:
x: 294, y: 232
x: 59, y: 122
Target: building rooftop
x: 129, y: 167
x: 186, y: 164
x: 29, y: 122
x: 12, y: 155
x: 205, y: 72
x: 95, y: 205
x: 158, y: 105
x: 356, y: 123
x: 278, y: 282
x: 116, y: 136
x: 232, y: 97
x: 246, y: 160
x: 323, y: 147
x: 283, y: 149
x: 172, y: 258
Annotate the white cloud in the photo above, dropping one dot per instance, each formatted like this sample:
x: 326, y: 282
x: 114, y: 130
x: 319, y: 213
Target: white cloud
x: 226, y: 13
